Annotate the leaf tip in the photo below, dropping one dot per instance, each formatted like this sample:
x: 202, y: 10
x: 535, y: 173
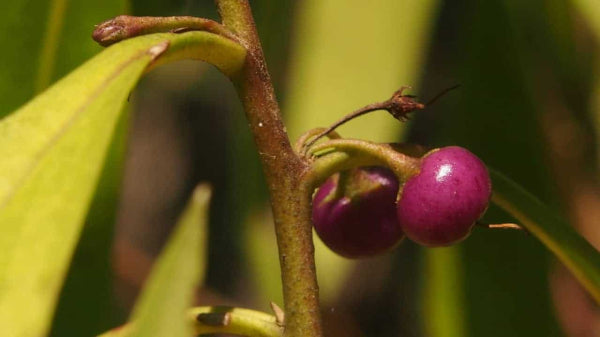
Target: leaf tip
x: 156, y: 50
x: 202, y: 194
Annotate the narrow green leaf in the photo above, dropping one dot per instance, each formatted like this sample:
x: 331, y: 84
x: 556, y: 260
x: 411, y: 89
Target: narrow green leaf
x: 582, y: 259
x: 210, y: 320
x: 261, y: 246
x: 88, y: 279
x: 589, y: 10
x: 169, y: 291
x: 22, y: 26
x: 52, y: 151
x: 444, y: 306
x: 47, y: 57
x: 42, y: 40
x: 66, y: 44
x: 120, y: 331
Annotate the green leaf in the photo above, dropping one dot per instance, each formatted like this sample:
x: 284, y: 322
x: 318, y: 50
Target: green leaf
x: 89, y: 277
x: 40, y: 45
x: 52, y: 151
x: 496, y: 115
x: 66, y: 44
x: 444, y: 306
x: 582, y: 259
x: 169, y: 291
x: 590, y: 11
x: 22, y: 26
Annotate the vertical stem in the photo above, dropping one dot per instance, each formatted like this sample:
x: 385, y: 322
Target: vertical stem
x: 290, y: 199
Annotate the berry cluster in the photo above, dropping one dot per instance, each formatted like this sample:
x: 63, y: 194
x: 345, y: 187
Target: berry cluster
x: 365, y: 212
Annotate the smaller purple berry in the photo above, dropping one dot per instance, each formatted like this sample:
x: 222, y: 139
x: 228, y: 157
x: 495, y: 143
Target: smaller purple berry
x: 356, y: 216
x: 440, y: 205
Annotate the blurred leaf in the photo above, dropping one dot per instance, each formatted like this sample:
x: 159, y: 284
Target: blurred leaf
x: 346, y: 55
x: 590, y: 10
x: 570, y: 248
x: 274, y: 25
x: 352, y: 55
x: 261, y: 248
x: 75, y: 44
x: 22, y: 27
x: 52, y: 150
x: 494, y: 116
x: 208, y: 320
x: 595, y: 107
x: 444, y: 306
x: 40, y: 44
x: 165, y: 8
x: 120, y: 331
x: 54, y: 23
x: 169, y: 291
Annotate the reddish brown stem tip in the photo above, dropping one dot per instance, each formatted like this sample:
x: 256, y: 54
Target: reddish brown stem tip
x: 124, y: 27
x: 114, y: 30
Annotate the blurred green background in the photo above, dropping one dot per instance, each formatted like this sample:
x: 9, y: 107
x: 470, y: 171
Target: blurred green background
x: 527, y: 106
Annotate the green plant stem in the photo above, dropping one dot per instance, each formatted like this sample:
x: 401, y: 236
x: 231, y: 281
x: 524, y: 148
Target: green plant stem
x: 222, y: 320
x: 125, y: 27
x: 283, y: 170
x: 300, y: 145
x: 342, y: 154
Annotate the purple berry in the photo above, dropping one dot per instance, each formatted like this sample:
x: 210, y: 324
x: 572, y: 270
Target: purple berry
x: 356, y: 217
x: 440, y: 205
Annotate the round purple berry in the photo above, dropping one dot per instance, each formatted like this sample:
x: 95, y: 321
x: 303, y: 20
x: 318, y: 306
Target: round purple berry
x: 355, y: 216
x: 440, y: 205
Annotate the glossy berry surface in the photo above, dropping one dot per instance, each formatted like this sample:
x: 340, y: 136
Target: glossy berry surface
x: 356, y: 216
x: 440, y: 205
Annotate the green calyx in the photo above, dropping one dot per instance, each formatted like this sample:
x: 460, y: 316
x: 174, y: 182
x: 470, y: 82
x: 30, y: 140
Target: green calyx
x: 338, y: 155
